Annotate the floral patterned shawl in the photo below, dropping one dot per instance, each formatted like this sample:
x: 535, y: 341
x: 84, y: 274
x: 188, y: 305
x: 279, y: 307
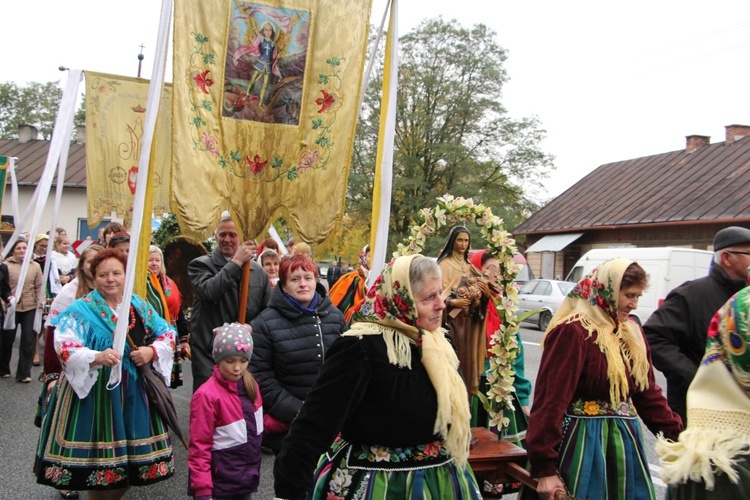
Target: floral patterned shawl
x: 718, y: 403
x: 593, y: 303
x: 389, y: 310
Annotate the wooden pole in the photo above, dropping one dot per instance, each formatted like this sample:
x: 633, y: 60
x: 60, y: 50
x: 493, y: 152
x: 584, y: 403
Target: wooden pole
x: 244, y: 289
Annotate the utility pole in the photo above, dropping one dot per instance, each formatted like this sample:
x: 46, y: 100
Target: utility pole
x: 140, y: 61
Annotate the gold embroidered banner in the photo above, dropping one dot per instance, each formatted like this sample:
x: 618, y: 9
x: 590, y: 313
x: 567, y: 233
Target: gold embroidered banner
x: 265, y: 109
x: 115, y: 115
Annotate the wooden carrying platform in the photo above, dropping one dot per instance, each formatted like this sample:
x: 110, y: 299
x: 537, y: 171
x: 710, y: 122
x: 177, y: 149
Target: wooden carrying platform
x: 498, y: 460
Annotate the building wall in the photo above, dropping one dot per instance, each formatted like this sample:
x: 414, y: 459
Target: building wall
x: 698, y: 236
x: 73, y: 207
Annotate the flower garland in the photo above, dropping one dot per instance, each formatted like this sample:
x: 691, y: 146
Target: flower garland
x: 450, y: 211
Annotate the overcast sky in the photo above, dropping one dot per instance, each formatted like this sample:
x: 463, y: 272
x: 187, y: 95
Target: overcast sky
x: 608, y: 80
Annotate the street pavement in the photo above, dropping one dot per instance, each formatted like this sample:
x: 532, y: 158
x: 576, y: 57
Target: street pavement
x: 18, y: 437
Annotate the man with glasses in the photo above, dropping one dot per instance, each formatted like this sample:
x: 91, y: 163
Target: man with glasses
x: 216, y: 281
x: 677, y: 330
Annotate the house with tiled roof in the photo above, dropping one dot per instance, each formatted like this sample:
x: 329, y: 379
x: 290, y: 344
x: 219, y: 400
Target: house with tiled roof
x: 680, y: 199
x: 31, y: 156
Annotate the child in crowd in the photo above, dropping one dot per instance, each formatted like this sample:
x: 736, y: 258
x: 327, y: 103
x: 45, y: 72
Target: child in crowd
x: 226, y: 422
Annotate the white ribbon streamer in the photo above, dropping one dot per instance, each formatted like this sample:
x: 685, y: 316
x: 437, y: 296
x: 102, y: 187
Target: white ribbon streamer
x: 152, y: 109
x: 378, y: 260
x: 60, y: 142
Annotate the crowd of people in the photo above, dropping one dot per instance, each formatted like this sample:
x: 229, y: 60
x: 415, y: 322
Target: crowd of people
x: 371, y: 392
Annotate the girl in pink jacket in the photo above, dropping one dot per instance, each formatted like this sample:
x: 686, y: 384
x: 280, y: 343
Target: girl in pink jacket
x: 226, y: 422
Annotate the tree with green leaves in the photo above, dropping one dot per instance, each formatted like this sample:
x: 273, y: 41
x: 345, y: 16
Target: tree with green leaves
x: 33, y: 104
x: 453, y: 135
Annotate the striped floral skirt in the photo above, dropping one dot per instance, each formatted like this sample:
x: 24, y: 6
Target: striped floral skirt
x: 602, y: 455
x: 107, y: 440
x: 362, y: 472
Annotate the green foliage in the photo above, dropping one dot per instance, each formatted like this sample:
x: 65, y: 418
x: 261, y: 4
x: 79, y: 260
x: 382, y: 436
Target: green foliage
x: 33, y: 104
x: 453, y: 135
x: 168, y: 230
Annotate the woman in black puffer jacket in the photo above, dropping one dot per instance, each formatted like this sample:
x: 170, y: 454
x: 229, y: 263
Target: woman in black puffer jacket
x: 291, y: 337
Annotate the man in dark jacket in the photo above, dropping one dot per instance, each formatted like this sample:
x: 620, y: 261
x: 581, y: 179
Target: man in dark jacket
x: 677, y: 330
x: 216, y: 287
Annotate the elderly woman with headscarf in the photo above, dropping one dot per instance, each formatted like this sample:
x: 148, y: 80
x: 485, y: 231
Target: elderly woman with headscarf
x: 390, y: 386
x: 349, y: 290
x: 594, y: 381
x: 466, y: 294
x: 711, y: 459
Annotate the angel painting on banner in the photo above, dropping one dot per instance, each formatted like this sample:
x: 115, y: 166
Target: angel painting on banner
x: 265, y: 64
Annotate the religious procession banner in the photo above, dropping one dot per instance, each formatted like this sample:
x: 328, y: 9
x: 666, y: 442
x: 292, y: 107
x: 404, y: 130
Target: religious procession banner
x: 265, y: 109
x: 5, y: 163
x: 115, y: 114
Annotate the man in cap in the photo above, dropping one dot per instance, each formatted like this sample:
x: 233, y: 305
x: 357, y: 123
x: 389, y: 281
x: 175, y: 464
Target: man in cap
x: 677, y: 330
x: 216, y: 281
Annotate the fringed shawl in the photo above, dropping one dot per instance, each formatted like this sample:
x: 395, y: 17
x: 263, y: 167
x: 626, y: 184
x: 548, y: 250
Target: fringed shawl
x: 389, y: 310
x: 718, y: 403
x: 593, y: 304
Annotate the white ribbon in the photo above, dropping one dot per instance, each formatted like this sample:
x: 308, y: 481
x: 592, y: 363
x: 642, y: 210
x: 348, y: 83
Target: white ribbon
x: 152, y: 109
x: 60, y: 142
x: 379, y: 258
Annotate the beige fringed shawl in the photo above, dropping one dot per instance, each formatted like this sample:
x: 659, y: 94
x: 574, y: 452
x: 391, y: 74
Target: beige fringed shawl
x: 718, y: 404
x: 389, y: 311
x: 593, y: 304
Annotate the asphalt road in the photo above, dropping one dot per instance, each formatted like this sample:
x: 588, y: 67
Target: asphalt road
x: 18, y: 438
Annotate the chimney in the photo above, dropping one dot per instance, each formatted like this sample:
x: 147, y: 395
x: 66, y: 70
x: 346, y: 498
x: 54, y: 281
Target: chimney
x: 27, y: 133
x: 693, y: 142
x: 81, y: 134
x: 736, y: 132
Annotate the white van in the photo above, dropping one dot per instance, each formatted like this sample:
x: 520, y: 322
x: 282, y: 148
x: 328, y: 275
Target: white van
x: 667, y: 269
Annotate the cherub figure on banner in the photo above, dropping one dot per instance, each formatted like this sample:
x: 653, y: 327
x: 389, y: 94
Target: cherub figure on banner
x: 266, y: 67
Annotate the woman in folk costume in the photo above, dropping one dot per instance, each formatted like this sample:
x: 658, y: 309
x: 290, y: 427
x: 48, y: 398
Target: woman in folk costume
x: 711, y: 459
x: 594, y: 380
x: 166, y: 299
x: 391, y: 388
x: 349, y: 290
x: 465, y: 293
x: 94, y: 438
x: 81, y: 285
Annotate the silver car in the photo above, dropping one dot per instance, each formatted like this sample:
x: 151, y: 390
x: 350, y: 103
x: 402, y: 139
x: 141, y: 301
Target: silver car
x: 542, y: 295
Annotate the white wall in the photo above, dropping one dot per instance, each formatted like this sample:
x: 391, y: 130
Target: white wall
x: 72, y: 208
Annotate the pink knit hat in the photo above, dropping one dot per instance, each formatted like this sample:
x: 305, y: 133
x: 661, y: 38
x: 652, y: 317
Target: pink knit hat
x: 232, y: 339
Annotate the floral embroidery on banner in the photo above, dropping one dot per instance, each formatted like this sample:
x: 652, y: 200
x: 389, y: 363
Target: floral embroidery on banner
x: 271, y: 167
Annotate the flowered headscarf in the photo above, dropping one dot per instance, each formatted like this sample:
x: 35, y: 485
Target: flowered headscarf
x: 389, y: 310
x: 729, y: 336
x: 593, y: 303
x: 364, y: 261
x: 718, y: 403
